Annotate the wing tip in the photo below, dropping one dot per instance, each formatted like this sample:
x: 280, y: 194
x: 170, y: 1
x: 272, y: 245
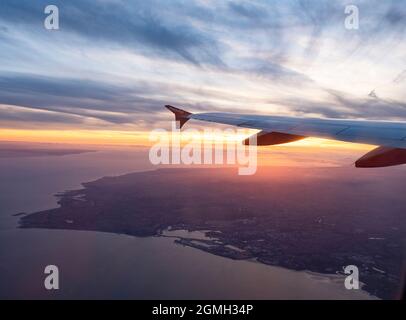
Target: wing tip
x: 181, y: 115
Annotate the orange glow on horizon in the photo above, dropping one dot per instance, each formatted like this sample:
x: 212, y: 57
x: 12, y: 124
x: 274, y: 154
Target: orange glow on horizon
x: 141, y: 138
x: 99, y: 137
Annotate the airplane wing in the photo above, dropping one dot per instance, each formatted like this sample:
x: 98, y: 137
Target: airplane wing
x: 390, y: 136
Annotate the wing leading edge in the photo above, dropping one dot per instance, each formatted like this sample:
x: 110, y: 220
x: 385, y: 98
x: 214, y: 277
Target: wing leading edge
x: 388, y: 135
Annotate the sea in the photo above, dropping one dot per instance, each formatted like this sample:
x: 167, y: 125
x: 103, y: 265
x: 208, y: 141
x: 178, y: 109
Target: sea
x: 96, y: 265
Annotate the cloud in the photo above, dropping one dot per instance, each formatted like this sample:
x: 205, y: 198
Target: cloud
x: 116, y: 63
x: 134, y: 25
x: 248, y: 10
x: 370, y: 108
x: 278, y: 72
x: 344, y: 106
x: 89, y: 98
x: 70, y: 99
x: 19, y: 114
x: 400, y: 77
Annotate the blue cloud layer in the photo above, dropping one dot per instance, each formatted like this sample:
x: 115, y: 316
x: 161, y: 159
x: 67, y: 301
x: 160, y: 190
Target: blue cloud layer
x: 222, y: 55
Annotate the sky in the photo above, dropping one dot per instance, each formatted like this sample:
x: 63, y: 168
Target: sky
x: 114, y: 64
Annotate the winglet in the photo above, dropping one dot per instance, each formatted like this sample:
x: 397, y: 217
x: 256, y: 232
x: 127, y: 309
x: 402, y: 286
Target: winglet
x: 180, y: 115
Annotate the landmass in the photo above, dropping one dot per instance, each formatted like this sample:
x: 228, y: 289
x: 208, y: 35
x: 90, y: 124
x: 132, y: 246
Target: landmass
x: 318, y: 219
